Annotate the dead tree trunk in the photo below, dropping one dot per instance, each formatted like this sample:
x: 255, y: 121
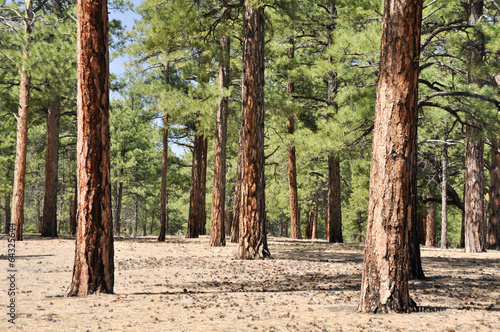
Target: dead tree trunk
x: 252, y: 243
x: 217, y: 228
x: 494, y: 226
x: 475, y: 224
x: 93, y: 270
x: 49, y: 219
x: 384, y: 285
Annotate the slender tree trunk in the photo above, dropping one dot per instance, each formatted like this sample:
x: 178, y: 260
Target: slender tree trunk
x: 94, y: 266
x: 494, y: 226
x: 235, y: 229
x: 444, y: 190
x: 430, y: 225
x: 360, y: 227
x: 325, y: 215
x: 292, y: 184
x: 196, y: 207
x: 22, y: 135
x: 118, y: 209
x: 308, y: 229
x: 136, y: 214
x: 334, y: 201
x: 314, y: 232
x: 252, y: 243
x: 228, y: 222
x: 49, y: 220
x: 384, y: 285
x: 203, y: 186
x: 164, y: 198
x: 7, y: 218
x: 475, y: 224
x: 217, y: 229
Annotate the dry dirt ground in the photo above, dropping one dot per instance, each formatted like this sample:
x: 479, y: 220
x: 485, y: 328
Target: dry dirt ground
x: 186, y: 285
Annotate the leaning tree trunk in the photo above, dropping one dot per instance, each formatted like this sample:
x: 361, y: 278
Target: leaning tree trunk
x: 235, y: 229
x: 49, y: 219
x: 475, y: 224
x: 384, y: 285
x: 93, y: 271
x: 494, y: 226
x: 164, y: 198
x: 217, y: 228
x: 252, y: 219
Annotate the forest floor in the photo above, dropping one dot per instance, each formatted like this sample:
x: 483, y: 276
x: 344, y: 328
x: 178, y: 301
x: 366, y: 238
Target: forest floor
x: 186, y: 285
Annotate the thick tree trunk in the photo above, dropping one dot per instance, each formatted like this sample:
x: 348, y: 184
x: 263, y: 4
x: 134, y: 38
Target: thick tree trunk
x: 494, y: 226
x: 22, y: 135
x: 7, y: 219
x: 235, y: 229
x: 384, y: 285
x: 430, y: 225
x: 217, y: 228
x: 444, y: 190
x: 164, y: 198
x: 475, y: 224
x: 292, y: 184
x: 196, y: 201
x: 94, y: 266
x: 49, y: 219
x: 314, y: 232
x: 252, y: 243
x: 334, y: 201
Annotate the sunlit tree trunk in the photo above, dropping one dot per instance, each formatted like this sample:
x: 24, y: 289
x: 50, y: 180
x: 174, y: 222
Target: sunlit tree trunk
x: 49, y: 219
x: 93, y: 270
x: 314, y: 232
x: 217, y: 230
x: 494, y: 226
x: 384, y: 285
x: 430, y: 226
x: 252, y: 243
x: 292, y: 184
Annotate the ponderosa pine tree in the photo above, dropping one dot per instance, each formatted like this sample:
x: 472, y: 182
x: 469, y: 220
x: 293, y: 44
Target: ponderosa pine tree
x: 93, y: 270
x: 164, y: 165
x: 22, y: 132
x: 253, y: 241
x: 494, y: 225
x: 384, y: 286
x: 197, y: 214
x: 218, y: 229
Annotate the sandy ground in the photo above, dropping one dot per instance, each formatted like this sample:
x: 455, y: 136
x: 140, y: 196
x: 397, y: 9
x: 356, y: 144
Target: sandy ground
x: 186, y: 285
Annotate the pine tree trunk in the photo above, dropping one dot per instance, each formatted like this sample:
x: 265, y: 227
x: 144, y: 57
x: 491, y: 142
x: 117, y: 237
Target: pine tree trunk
x: 444, y: 190
x: 384, y: 285
x: 430, y: 225
x: 475, y: 224
x: 22, y: 135
x: 308, y: 229
x: 235, y: 229
x: 325, y: 215
x: 314, y: 232
x: 252, y: 243
x: 136, y: 214
x: 94, y: 266
x: 203, y: 186
x: 292, y: 184
x: 494, y: 226
x: 7, y: 218
x: 217, y: 228
x: 118, y: 209
x: 49, y: 219
x: 334, y: 201
x: 360, y: 228
x: 164, y: 165
x: 228, y: 222
x: 196, y: 201
x: 416, y: 232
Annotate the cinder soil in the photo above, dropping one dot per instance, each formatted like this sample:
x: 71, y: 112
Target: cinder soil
x: 186, y: 285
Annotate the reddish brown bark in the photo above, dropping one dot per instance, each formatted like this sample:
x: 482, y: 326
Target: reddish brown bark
x: 235, y: 229
x: 494, y: 226
x: 197, y: 201
x: 475, y: 224
x: 314, y: 231
x: 252, y: 243
x: 384, y: 286
x: 217, y: 228
x: 93, y: 270
x: 325, y: 214
x: 49, y: 220
x: 203, y: 186
x: 7, y: 218
x: 164, y: 198
x: 430, y: 225
x: 334, y: 202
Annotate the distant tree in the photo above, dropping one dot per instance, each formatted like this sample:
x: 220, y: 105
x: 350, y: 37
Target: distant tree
x: 384, y: 285
x: 93, y: 270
